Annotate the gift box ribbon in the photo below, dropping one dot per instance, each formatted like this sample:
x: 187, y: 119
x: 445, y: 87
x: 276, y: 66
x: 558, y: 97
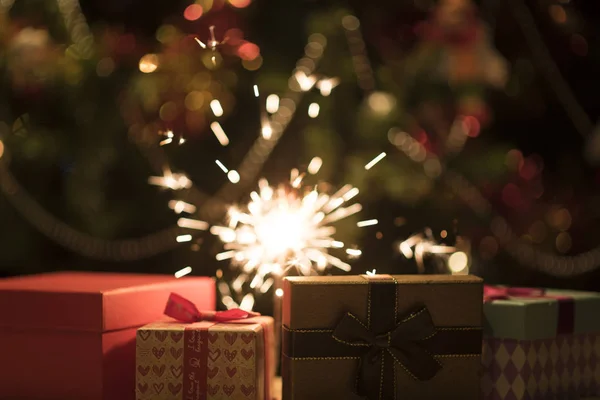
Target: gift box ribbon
x: 566, y: 305
x: 196, y: 340
x: 410, y: 341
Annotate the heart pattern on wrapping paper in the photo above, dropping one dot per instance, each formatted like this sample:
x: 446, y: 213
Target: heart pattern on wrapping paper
x: 176, y: 371
x: 212, y: 372
x: 247, y: 390
x: 247, y: 354
x: 228, y: 389
x: 143, y: 371
x: 158, y: 353
x: 231, y: 338
x: 144, y: 335
x: 212, y: 337
x: 176, y: 336
x: 231, y: 371
x: 175, y: 388
x: 158, y: 387
x: 247, y: 337
x: 142, y: 388
x: 176, y: 353
x: 158, y: 371
x: 230, y: 355
x: 161, y: 335
x: 214, y: 354
x: 213, y: 390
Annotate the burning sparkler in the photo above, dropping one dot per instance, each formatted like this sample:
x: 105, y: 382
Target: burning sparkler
x: 285, y: 228
x: 212, y: 43
x: 424, y: 245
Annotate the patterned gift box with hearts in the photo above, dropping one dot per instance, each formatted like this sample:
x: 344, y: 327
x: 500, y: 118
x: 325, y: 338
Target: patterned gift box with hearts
x: 204, y: 360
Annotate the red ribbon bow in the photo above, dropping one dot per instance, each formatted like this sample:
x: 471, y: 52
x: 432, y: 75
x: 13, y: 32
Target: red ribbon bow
x: 184, y: 310
x: 491, y: 293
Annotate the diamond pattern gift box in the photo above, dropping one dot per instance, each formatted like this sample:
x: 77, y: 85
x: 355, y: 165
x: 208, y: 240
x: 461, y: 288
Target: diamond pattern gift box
x: 71, y: 335
x: 541, y: 345
x: 382, y: 337
x: 209, y: 360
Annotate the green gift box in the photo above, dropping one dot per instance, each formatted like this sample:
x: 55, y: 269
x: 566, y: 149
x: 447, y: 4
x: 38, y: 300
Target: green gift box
x: 540, y: 343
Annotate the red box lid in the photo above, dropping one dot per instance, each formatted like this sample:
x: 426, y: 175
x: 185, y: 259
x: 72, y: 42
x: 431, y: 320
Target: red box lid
x: 97, y: 302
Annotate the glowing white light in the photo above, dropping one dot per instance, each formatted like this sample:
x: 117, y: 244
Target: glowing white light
x: 326, y: 85
x: 304, y: 81
x: 215, y: 106
x: 192, y: 224
x: 313, y: 110
x: 282, y: 228
x: 247, y: 302
x: 184, y: 238
x: 219, y: 133
x: 181, y: 140
x: 183, y: 272
x: 165, y: 141
x: 272, y: 103
x: 279, y: 292
x: 374, y: 161
x: 171, y: 181
x: 372, y: 273
x: 354, y: 252
x: 458, y: 261
x: 181, y: 206
x: 368, y: 222
x: 315, y: 165
x: 233, y: 176
x: 256, y: 93
x: 169, y: 134
x: 222, y: 166
x: 266, y: 131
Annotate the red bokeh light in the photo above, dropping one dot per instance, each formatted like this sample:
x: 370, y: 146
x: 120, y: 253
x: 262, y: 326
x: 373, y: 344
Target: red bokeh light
x: 240, y: 3
x: 473, y: 125
x: 511, y: 195
x: 248, y: 51
x: 234, y: 36
x: 528, y: 169
x: 193, y: 12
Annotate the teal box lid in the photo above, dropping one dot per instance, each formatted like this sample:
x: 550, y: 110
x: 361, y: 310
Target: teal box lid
x: 531, y: 318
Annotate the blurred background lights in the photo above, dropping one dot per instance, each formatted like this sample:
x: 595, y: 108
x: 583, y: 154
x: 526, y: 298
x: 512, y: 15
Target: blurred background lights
x: 215, y: 106
x: 381, y: 103
x: 248, y: 51
x: 272, y: 103
x: 193, y: 12
x: 148, y: 63
x: 233, y: 176
x: 458, y: 261
x: 240, y: 3
x: 313, y: 110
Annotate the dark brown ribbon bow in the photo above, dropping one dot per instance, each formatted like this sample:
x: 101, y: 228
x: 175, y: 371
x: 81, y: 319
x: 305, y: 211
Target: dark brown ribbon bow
x: 405, y: 345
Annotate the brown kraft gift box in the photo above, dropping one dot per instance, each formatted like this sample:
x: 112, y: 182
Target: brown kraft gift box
x: 382, y: 337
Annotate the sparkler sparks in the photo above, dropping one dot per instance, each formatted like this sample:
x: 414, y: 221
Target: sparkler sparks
x: 171, y: 181
x: 374, y: 161
x: 212, y: 43
x: 424, y: 245
x: 285, y: 227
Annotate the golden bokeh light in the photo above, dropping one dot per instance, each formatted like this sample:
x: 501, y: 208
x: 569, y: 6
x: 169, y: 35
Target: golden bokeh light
x: 148, y: 63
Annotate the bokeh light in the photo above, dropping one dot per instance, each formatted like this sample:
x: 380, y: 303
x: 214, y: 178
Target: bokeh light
x: 563, y: 242
x: 105, y: 67
x: 148, y: 63
x: 381, y: 103
x: 458, y: 261
x: 240, y: 3
x: 248, y: 51
x: 168, y: 111
x: 194, y: 100
x: 193, y: 12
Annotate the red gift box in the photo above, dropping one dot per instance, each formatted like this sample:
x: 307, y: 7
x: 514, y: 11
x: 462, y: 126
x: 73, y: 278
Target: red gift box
x: 71, y: 335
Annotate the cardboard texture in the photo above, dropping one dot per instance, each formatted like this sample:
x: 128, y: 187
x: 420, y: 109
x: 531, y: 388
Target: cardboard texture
x: 71, y: 335
x: 527, y: 355
x: 318, y: 303
x: 204, y: 360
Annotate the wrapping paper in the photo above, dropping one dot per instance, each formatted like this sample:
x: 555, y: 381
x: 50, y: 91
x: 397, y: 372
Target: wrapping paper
x: 205, y: 360
x: 541, y: 344
x: 338, y: 330
x: 565, y: 367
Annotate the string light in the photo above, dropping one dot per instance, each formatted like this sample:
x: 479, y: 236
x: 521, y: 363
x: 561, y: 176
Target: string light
x: 370, y: 222
x: 184, y: 238
x: 272, y: 104
x: 215, y: 106
x: 256, y: 93
x: 313, y: 110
